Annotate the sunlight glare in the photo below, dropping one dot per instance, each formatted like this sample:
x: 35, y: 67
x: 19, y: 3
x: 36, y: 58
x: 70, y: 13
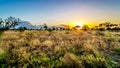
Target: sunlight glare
x: 79, y: 24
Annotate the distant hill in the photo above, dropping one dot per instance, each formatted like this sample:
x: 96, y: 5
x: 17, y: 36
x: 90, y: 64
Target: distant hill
x: 27, y: 25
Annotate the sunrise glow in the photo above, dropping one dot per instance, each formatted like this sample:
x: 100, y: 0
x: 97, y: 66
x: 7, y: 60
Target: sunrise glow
x: 76, y: 24
x: 79, y: 24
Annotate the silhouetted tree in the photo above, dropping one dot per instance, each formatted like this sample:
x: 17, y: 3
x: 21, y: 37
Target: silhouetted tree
x: 100, y: 25
x: 107, y: 24
x: 85, y: 27
x: 53, y: 28
x: 15, y: 22
x: 45, y: 26
x: 6, y: 24
x: 95, y: 28
x: 11, y: 22
x: 1, y: 23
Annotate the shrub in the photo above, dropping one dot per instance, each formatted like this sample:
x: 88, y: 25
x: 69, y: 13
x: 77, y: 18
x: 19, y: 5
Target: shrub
x: 90, y: 61
x: 72, y: 60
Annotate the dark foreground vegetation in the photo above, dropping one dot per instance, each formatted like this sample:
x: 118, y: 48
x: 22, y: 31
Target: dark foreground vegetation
x: 59, y: 49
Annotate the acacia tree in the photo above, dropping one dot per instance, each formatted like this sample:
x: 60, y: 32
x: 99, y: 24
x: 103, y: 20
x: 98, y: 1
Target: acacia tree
x: 11, y: 22
x: 85, y: 27
x: 14, y: 21
x: 106, y: 24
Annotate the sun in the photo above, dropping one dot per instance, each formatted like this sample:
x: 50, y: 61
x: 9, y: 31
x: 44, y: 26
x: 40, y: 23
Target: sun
x: 78, y: 24
x: 72, y: 25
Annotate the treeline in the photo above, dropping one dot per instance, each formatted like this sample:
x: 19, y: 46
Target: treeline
x: 8, y: 22
x: 11, y: 22
x: 101, y: 27
x: 107, y: 26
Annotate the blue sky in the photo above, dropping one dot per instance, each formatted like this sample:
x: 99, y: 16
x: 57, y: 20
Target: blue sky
x: 55, y: 12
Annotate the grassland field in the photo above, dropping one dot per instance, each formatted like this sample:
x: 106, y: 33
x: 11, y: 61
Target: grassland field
x: 59, y: 49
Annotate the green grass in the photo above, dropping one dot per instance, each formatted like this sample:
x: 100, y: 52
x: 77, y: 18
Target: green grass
x: 58, y: 49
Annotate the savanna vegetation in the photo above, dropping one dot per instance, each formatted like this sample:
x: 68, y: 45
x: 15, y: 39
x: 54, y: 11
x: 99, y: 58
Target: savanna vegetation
x: 59, y: 49
x: 9, y: 22
x: 97, y: 47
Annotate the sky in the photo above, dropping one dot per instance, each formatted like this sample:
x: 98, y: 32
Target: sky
x: 55, y: 12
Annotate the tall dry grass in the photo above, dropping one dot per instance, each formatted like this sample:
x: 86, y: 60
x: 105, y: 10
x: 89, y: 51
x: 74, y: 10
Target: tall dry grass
x: 59, y: 49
